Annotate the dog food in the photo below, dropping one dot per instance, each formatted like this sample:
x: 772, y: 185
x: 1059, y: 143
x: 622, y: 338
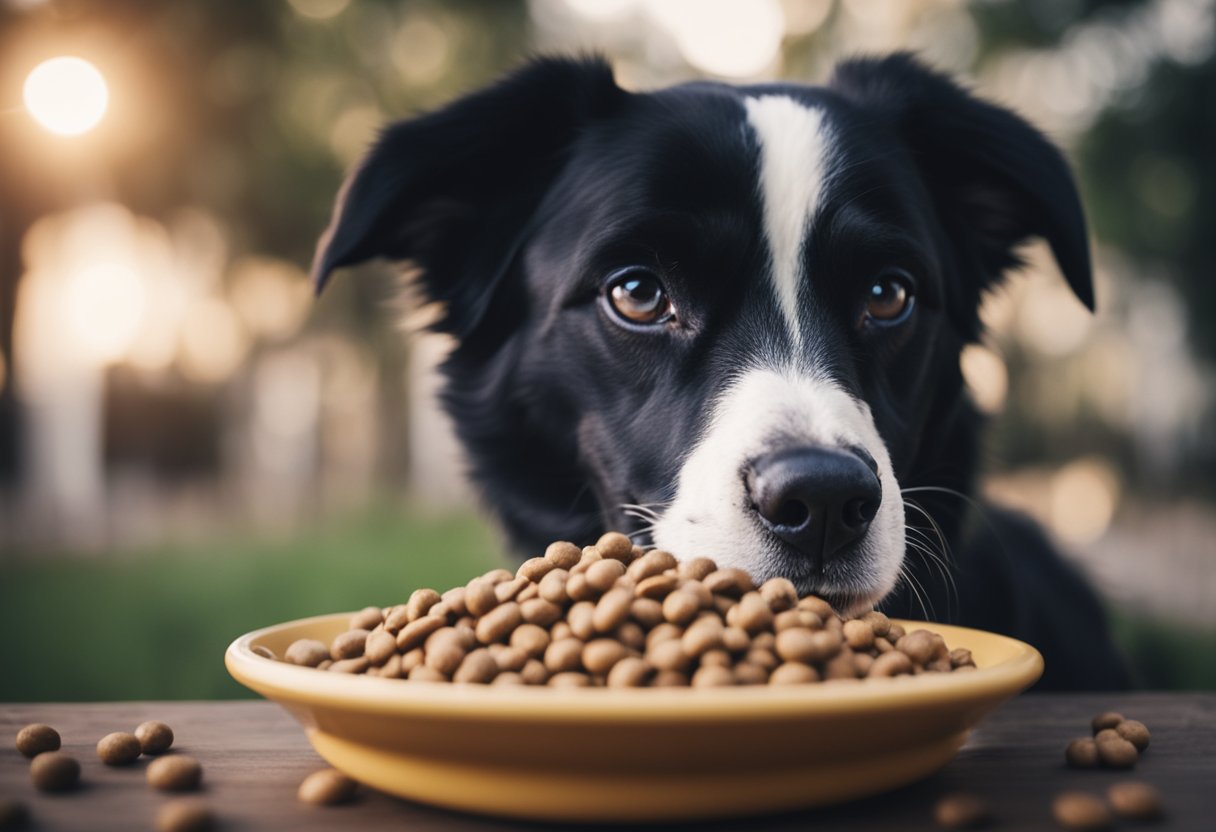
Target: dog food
x: 1080, y: 811
x: 54, y: 771
x: 33, y: 740
x: 155, y: 737
x: 961, y: 811
x: 184, y: 815
x: 327, y: 787
x: 1117, y: 743
x: 13, y: 814
x: 174, y: 773
x: 614, y: 615
x: 119, y: 749
x: 1135, y: 800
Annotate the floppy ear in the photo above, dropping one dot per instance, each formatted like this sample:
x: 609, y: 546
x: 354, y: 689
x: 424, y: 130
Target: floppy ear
x: 454, y: 190
x: 996, y: 180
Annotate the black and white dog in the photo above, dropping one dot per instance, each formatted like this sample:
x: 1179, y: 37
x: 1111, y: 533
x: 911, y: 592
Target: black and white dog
x: 728, y: 320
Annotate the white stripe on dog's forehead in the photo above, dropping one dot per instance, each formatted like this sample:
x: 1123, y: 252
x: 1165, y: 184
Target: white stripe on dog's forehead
x: 794, y: 144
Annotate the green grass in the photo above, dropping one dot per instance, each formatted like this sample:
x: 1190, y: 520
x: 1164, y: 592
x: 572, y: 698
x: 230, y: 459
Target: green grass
x: 154, y: 624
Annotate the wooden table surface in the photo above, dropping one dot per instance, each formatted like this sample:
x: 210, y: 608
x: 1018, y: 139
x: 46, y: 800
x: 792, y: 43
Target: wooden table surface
x: 254, y: 756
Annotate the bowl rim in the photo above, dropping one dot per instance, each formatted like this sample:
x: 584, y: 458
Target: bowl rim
x: 303, y: 685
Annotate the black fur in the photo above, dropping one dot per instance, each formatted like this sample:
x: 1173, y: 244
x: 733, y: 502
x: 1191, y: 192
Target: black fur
x: 517, y: 201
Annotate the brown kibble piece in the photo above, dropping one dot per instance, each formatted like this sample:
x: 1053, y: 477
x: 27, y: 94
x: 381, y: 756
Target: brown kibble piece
x: 421, y: 602
x: 13, y: 814
x: 118, y: 749
x: 858, y: 634
x: 185, y: 815
x: 615, y: 546
x: 1135, y: 800
x: 1134, y: 732
x: 894, y: 663
x: 779, y: 593
x: 348, y: 645
x: 479, y: 596
x: 679, y: 607
x: 613, y: 609
x: 879, y: 623
x: 629, y: 672
x: 499, y: 622
x: 1108, y: 719
x: 728, y: 581
x: 1080, y: 811
x: 531, y: 638
x: 961, y: 811
x: 263, y: 651
x: 702, y: 635
x: 796, y: 645
x: 602, y: 574
x: 38, y: 738
x: 366, y: 619
x: 1116, y: 752
x: 416, y: 632
x: 307, y: 652
x: 327, y: 787
x: 713, y: 676
x: 1082, y: 753
x: 918, y: 645
x: 54, y: 771
x: 753, y: 613
x: 535, y: 568
x: 563, y: 554
x: 697, y: 568
x: 602, y: 654
x: 793, y: 673
x: 656, y: 586
x: 564, y: 656
x: 668, y: 655
x: 380, y: 645
x: 570, y: 679
x: 477, y: 668
x: 174, y: 773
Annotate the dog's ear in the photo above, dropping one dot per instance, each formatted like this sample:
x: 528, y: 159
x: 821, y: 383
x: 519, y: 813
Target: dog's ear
x: 996, y: 180
x: 454, y: 190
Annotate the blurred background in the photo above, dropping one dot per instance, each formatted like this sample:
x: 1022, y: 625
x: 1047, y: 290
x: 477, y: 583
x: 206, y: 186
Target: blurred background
x: 191, y: 446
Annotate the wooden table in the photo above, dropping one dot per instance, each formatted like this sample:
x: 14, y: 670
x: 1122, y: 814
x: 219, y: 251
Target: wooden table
x: 254, y: 757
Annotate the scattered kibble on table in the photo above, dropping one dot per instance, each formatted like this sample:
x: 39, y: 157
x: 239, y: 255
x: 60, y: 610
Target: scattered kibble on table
x: 13, y: 814
x: 327, y: 787
x: 35, y: 739
x: 1080, y: 811
x: 185, y: 815
x: 961, y: 811
x: 54, y: 771
x: 1135, y: 800
x: 118, y: 749
x: 175, y: 773
x: 154, y: 737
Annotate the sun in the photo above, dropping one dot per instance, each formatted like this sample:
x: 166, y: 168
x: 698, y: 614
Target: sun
x: 66, y: 95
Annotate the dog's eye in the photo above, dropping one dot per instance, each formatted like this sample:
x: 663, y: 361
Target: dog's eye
x: 889, y: 298
x: 636, y: 295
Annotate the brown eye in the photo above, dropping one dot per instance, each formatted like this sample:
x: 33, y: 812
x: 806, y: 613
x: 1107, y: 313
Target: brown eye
x: 637, y: 296
x: 889, y: 299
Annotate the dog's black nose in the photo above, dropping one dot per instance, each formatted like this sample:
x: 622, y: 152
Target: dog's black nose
x: 816, y: 499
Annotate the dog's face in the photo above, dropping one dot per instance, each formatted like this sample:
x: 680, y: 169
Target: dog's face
x: 727, y: 319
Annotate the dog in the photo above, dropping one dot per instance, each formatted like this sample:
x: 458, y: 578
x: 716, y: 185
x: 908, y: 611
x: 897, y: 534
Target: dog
x: 727, y: 320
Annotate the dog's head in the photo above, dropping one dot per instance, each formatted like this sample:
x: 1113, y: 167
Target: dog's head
x: 726, y: 317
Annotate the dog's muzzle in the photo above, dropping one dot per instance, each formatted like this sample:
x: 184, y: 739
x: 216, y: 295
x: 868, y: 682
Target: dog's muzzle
x: 818, y: 500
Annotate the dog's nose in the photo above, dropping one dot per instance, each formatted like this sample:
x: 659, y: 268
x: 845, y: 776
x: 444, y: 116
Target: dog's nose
x: 816, y: 499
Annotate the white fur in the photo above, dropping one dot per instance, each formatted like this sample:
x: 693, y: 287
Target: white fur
x: 762, y: 411
x: 794, y: 146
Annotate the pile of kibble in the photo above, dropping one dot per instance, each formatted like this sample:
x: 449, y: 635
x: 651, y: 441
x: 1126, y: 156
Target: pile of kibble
x: 613, y: 614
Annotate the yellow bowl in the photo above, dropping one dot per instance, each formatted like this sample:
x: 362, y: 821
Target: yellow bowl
x: 603, y: 754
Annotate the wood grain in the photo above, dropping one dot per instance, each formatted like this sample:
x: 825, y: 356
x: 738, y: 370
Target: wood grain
x: 254, y: 756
